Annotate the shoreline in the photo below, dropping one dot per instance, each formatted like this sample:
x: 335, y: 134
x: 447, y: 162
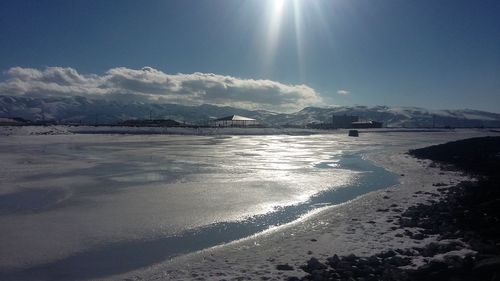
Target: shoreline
x: 29, y: 130
x: 363, y: 226
x: 464, y: 219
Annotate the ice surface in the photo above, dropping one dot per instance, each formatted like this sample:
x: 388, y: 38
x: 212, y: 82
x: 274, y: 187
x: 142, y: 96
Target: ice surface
x: 62, y: 194
x: 106, y: 193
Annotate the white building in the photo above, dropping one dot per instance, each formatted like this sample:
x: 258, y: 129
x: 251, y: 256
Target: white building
x: 235, y: 121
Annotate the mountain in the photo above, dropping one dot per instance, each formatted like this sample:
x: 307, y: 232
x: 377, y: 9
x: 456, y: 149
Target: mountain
x: 85, y: 110
x: 81, y: 109
x: 393, y: 116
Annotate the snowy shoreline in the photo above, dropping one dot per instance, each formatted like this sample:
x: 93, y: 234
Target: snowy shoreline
x: 202, y: 131
x: 364, y: 226
x: 355, y: 227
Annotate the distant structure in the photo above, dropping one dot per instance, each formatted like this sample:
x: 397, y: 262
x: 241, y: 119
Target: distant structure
x: 352, y: 121
x: 343, y: 121
x: 16, y: 121
x: 366, y: 124
x: 235, y: 121
x: 151, y: 123
x: 353, y: 133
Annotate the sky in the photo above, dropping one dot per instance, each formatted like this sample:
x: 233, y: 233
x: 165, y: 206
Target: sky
x: 277, y: 55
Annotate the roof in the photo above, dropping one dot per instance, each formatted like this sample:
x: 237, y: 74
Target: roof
x: 235, y: 118
x: 363, y: 122
x: 366, y: 122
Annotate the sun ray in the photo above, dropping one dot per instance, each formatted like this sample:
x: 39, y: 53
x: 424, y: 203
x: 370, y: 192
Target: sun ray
x: 304, y: 15
x: 273, y: 33
x: 298, y: 20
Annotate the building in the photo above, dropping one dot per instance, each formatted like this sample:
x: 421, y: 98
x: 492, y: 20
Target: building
x: 16, y: 121
x: 343, y: 121
x: 235, y: 121
x: 151, y: 123
x: 366, y: 124
x: 353, y: 122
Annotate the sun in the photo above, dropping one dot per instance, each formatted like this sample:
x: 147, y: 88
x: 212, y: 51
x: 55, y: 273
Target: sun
x: 278, y: 5
x: 300, y: 15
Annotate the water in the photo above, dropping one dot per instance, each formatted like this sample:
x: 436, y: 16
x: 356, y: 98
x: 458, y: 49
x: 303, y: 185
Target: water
x: 100, y: 206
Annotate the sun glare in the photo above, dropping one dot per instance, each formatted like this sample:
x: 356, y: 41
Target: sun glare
x: 285, y: 20
x: 278, y: 5
x: 273, y: 31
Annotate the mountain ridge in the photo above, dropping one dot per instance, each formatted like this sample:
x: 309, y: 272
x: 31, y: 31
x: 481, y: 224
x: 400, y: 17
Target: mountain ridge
x: 81, y: 109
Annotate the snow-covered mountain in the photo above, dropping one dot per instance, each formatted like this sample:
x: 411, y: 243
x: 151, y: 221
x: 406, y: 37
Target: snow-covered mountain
x: 393, y: 116
x: 85, y: 110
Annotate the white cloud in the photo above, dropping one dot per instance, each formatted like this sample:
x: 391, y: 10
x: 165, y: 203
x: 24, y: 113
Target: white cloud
x: 343, y: 92
x: 154, y: 85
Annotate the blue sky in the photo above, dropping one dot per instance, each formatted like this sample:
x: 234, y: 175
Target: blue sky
x: 428, y: 53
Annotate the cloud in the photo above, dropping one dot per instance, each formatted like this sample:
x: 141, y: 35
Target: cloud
x: 149, y: 84
x: 343, y: 92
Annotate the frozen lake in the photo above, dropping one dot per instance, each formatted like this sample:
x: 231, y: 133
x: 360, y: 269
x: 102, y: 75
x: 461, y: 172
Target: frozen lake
x: 90, y: 206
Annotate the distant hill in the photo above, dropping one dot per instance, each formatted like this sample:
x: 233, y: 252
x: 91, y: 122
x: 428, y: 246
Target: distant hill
x: 393, y: 116
x: 81, y: 109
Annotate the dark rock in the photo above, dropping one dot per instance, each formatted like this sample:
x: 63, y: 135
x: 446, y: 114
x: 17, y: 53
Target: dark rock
x: 387, y: 254
x: 433, y: 266
x: 430, y: 250
x: 350, y: 258
x: 398, y: 261
x: 487, y: 264
x: 405, y: 252
x: 313, y: 264
x: 284, y: 267
x: 418, y: 236
x: 394, y: 274
x: 373, y: 261
x: 483, y: 246
x: 333, y: 261
x: 319, y: 275
x: 454, y: 262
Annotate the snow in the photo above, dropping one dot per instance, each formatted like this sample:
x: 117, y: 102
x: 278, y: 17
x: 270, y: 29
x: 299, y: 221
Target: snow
x: 342, y: 229
x: 33, y: 130
x: 60, y: 129
x: 142, y: 203
x: 477, y: 117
